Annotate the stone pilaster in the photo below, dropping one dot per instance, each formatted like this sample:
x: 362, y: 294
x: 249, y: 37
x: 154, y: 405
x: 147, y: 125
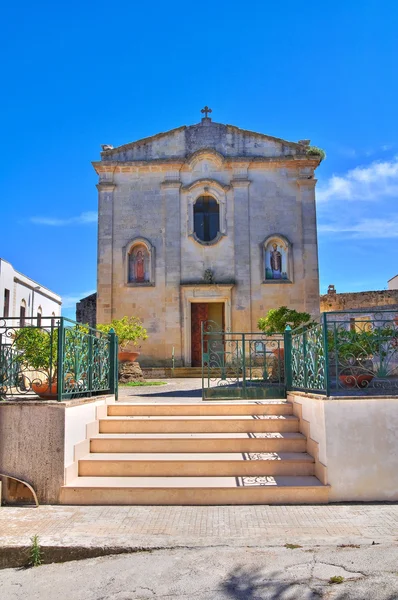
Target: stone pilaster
x: 172, y: 259
x: 241, y: 318
x: 105, y: 251
x: 309, y: 244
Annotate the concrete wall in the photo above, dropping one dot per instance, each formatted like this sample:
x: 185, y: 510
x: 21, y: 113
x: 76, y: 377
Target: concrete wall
x: 38, y: 439
x: 357, y: 442
x: 23, y: 288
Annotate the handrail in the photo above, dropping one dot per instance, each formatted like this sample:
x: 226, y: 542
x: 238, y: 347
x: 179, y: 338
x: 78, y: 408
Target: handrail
x: 25, y: 483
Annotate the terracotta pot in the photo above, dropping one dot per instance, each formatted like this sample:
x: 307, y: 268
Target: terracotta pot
x: 44, y: 390
x: 128, y: 356
x: 356, y: 381
x: 279, y: 353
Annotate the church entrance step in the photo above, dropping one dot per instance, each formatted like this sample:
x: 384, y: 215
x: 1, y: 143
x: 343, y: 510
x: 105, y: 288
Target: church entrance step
x: 197, y: 453
x: 199, y: 442
x: 194, y: 490
x: 203, y: 408
x: 196, y: 464
x: 201, y: 424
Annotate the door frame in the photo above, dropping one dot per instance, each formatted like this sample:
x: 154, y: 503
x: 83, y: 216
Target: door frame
x: 202, y: 293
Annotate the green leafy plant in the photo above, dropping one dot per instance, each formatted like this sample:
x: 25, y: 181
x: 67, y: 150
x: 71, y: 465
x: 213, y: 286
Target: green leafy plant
x: 336, y: 579
x: 38, y: 349
x: 315, y: 151
x: 355, y: 345
x: 277, y: 319
x: 129, y: 330
x: 35, y: 552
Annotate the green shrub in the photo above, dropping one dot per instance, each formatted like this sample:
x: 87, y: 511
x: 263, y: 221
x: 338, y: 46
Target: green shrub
x: 277, y: 319
x: 315, y: 151
x: 129, y: 330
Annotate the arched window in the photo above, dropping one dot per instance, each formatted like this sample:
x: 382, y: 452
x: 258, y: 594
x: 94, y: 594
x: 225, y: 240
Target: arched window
x: 206, y: 212
x: 39, y: 311
x: 22, y: 313
x: 53, y: 319
x: 139, y: 264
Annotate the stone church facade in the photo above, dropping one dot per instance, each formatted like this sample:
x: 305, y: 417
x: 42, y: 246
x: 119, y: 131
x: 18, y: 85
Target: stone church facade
x: 202, y: 222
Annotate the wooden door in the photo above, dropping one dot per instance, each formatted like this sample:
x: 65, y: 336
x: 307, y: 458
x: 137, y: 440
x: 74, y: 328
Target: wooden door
x: 199, y: 313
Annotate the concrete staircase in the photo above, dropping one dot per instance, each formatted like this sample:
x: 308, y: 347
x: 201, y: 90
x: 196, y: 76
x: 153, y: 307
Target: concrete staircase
x: 197, y: 454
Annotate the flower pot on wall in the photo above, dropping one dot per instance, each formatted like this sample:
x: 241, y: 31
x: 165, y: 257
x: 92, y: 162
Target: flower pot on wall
x: 44, y: 390
x: 279, y: 353
x: 356, y: 381
x: 127, y: 356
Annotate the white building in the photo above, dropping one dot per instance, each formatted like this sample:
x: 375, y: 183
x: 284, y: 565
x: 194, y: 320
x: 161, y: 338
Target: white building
x: 24, y: 298
x: 393, y: 283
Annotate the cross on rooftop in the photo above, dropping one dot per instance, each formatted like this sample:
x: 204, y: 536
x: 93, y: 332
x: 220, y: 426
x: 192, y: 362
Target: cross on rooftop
x: 206, y: 110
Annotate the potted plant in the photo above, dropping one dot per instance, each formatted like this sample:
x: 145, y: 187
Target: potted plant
x: 356, y: 352
x: 38, y: 353
x: 277, y: 319
x: 129, y: 331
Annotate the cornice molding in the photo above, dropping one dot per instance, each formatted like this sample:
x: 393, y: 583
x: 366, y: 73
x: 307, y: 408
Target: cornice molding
x: 163, y: 164
x: 206, y: 181
x: 302, y: 182
x: 240, y: 183
x: 170, y: 185
x: 106, y: 186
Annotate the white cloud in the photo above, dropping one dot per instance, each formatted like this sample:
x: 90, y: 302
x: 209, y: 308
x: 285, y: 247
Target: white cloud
x: 82, y: 219
x: 373, y: 182
x: 365, y: 228
x: 70, y: 300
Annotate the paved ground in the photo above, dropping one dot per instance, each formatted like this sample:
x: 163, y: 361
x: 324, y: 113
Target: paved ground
x: 200, y: 526
x: 173, y: 390
x: 219, y: 552
x: 221, y: 573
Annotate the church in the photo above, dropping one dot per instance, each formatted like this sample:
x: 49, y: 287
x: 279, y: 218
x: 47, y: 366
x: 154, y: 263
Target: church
x: 205, y: 222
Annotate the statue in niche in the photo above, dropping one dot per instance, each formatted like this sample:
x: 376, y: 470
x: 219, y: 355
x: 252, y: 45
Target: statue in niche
x: 276, y: 261
x: 139, y: 265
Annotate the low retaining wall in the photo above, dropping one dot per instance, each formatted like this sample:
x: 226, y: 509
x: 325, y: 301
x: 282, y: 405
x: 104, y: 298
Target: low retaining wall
x: 355, y: 444
x: 37, y: 443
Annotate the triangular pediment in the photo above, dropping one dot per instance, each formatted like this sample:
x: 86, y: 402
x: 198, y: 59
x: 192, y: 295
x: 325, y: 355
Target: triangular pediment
x: 226, y: 141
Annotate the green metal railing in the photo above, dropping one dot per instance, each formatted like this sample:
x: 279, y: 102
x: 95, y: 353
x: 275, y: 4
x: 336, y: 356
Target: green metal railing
x: 344, y: 353
x: 237, y: 365
x: 56, y: 358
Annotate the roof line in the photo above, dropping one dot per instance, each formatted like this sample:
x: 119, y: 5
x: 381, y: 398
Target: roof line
x: 183, y: 127
x: 143, y: 140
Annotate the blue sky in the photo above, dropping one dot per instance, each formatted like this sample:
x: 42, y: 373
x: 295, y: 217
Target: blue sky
x: 79, y: 74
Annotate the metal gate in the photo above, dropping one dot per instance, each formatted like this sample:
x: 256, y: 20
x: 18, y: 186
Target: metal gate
x: 241, y: 365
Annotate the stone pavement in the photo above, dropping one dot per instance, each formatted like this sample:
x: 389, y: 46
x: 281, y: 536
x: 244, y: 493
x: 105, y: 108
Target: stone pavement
x: 198, y: 526
x: 174, y: 390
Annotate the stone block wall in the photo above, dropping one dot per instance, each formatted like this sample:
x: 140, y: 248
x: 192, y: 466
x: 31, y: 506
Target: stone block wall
x: 86, y: 310
x: 379, y: 299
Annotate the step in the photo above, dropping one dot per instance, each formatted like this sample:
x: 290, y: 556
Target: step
x: 199, y: 442
x: 202, y: 424
x: 208, y: 409
x: 194, y: 490
x: 196, y: 464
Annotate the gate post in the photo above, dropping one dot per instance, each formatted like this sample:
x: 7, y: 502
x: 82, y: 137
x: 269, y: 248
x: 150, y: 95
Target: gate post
x: 113, y: 363
x: 60, y: 358
x: 288, y: 356
x: 244, y: 366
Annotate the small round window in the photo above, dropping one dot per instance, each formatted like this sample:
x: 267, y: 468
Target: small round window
x: 206, y: 212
